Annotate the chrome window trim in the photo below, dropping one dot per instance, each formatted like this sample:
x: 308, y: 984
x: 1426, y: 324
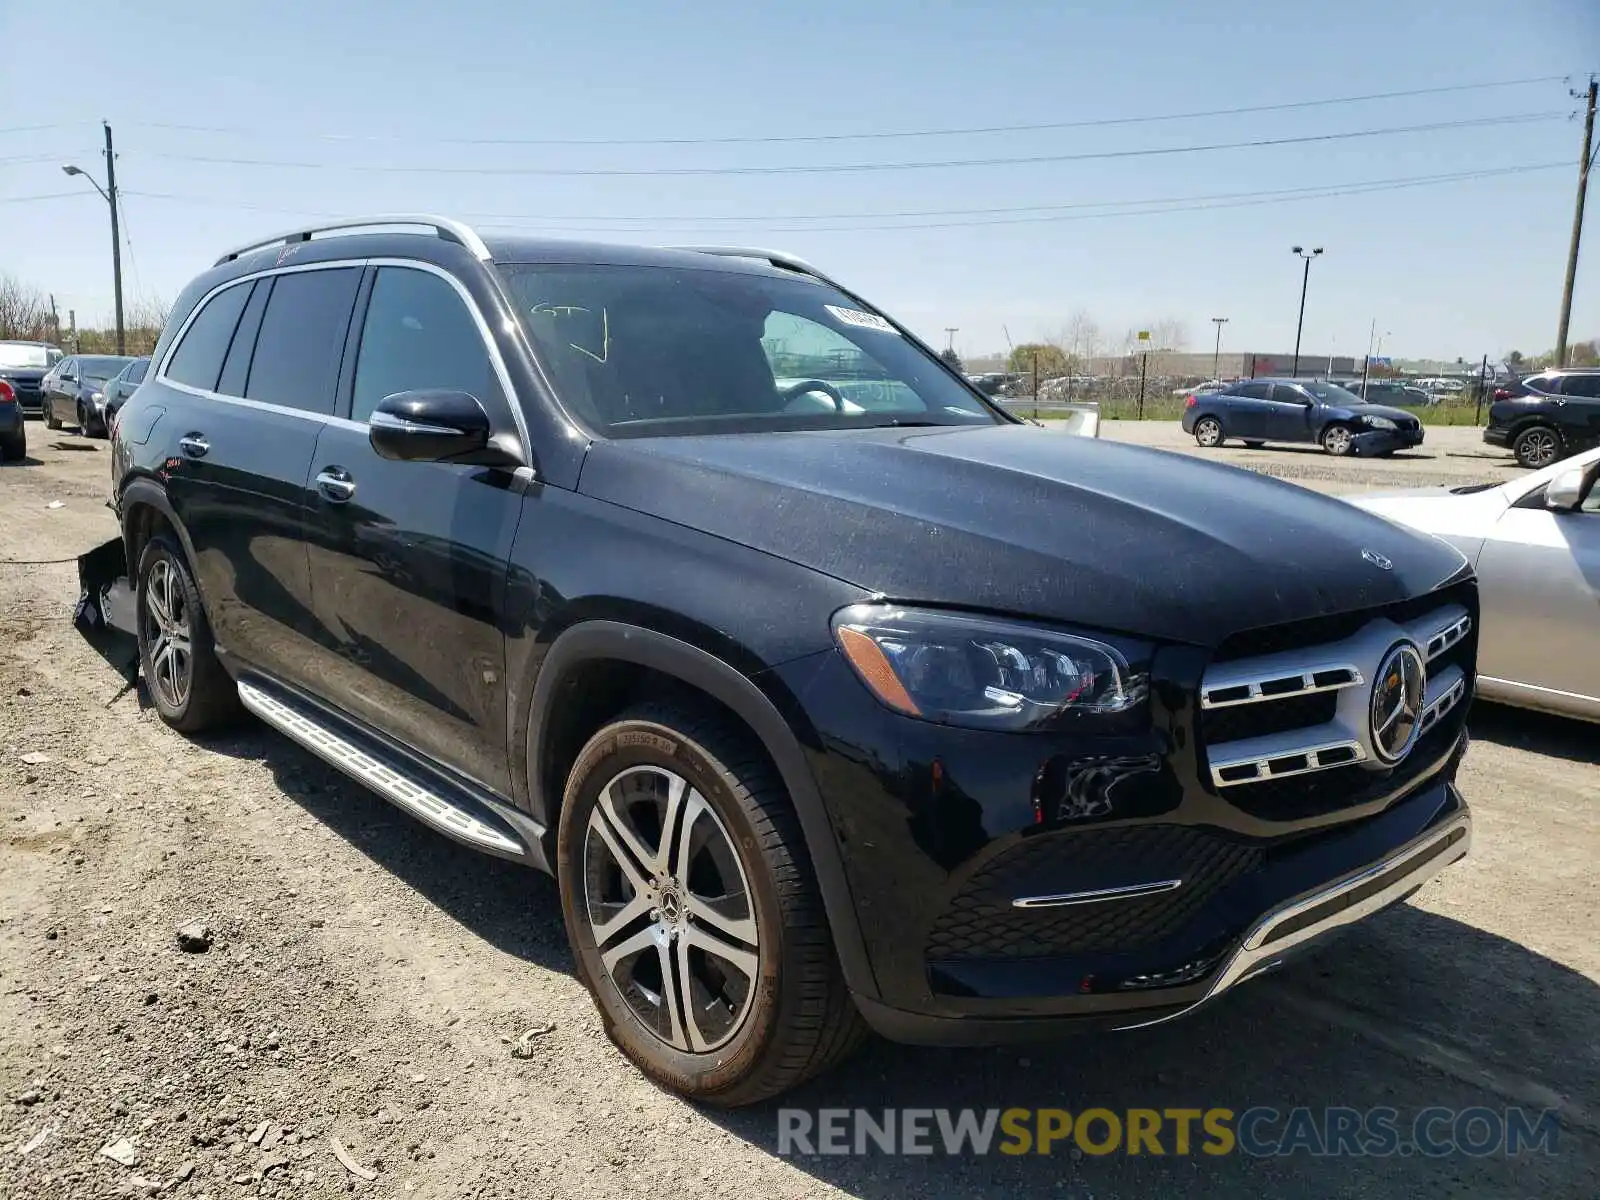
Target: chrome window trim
x: 496, y: 359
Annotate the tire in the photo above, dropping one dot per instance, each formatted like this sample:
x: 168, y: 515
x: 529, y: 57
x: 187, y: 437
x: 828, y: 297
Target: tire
x: 51, y: 421
x: 1536, y: 446
x: 83, y: 420
x: 191, y: 691
x: 1208, y: 432
x: 785, y: 1014
x: 1338, y: 441
x: 1254, y: 445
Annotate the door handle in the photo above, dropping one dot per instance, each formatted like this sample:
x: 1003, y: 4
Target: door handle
x: 335, y: 483
x: 194, y: 445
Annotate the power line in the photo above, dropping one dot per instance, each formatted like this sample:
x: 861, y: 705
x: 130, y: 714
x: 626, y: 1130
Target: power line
x: 41, y: 196
x: 36, y: 128
x: 656, y: 220
x: 1138, y: 208
x: 856, y: 168
x: 790, y: 139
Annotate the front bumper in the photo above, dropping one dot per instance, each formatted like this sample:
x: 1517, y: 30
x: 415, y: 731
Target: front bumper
x: 1385, y: 441
x: 942, y: 831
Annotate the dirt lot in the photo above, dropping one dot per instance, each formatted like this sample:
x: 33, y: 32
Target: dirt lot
x: 368, y: 977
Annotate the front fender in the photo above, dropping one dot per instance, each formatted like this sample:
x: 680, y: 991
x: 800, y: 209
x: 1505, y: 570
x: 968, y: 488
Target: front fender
x: 616, y: 641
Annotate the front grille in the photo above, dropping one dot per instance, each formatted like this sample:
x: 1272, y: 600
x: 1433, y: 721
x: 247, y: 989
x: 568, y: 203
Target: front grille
x: 1317, y: 631
x: 982, y: 922
x: 1218, y: 725
x: 1312, y: 750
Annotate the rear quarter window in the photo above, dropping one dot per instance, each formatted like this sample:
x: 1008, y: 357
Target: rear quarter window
x: 198, y: 358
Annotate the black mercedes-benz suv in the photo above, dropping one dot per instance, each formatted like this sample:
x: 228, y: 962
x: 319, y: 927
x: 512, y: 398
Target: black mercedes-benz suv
x: 832, y: 695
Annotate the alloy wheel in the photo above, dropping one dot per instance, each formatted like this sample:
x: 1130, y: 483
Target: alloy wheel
x: 1209, y: 433
x: 1337, y: 440
x: 167, y: 634
x: 1538, y: 448
x: 670, y: 909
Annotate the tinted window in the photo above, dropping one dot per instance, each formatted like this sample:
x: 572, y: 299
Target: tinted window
x: 296, y: 361
x: 99, y: 366
x: 1330, y: 393
x: 198, y: 357
x: 1285, y: 393
x: 1251, y: 391
x: 1581, y: 385
x: 1543, y: 384
x: 67, y: 369
x: 419, y: 334
x: 236, y: 367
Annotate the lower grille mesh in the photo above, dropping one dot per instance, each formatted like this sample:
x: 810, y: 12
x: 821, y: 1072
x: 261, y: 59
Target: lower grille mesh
x: 982, y: 923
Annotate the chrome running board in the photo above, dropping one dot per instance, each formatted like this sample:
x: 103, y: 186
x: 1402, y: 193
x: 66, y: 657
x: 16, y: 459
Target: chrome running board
x: 1344, y: 902
x: 406, y: 788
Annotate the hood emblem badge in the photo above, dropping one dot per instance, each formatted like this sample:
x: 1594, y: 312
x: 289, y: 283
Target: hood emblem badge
x: 1382, y: 562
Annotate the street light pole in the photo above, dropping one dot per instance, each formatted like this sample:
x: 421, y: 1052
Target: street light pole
x: 1216, y: 354
x: 109, y: 195
x: 1305, y: 282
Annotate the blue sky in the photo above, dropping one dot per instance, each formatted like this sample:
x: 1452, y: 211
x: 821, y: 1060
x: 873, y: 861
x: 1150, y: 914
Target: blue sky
x: 356, y: 90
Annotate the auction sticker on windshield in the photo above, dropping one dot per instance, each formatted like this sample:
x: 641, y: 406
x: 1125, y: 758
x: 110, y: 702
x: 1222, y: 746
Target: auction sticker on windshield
x: 861, y: 320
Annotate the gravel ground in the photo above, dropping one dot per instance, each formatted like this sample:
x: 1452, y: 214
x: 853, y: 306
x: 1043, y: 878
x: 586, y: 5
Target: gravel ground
x: 368, y: 981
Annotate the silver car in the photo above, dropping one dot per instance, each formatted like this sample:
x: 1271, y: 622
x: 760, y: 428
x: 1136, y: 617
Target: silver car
x: 1536, y: 544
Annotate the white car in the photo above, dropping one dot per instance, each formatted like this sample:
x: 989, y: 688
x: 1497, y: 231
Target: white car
x: 1536, y: 544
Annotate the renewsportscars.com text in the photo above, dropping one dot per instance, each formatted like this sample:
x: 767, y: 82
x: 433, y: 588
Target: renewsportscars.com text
x: 1260, y: 1132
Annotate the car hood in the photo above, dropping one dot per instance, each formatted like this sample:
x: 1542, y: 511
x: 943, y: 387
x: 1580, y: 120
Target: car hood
x: 1010, y: 519
x: 1379, y: 410
x: 23, y: 374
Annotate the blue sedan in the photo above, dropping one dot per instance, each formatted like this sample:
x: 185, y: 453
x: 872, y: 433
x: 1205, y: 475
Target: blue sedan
x: 1257, y: 411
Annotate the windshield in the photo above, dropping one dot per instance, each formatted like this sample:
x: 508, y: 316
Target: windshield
x: 99, y: 366
x: 650, y: 351
x: 1331, y: 394
x: 13, y: 354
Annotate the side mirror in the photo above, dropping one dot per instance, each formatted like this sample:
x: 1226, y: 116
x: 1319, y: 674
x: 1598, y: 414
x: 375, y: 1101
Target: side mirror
x: 434, y: 426
x: 1565, y: 492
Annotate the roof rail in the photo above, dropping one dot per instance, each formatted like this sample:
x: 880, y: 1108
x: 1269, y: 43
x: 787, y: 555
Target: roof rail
x: 444, y: 227
x: 778, y: 258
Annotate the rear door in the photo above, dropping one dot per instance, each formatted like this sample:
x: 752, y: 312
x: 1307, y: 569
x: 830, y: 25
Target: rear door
x: 1539, y: 576
x: 1246, y: 413
x: 260, y: 361
x: 1289, y: 414
x: 1582, y: 396
x: 408, y: 559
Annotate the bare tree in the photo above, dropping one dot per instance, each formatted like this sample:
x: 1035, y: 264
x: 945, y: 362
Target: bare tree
x: 24, y: 311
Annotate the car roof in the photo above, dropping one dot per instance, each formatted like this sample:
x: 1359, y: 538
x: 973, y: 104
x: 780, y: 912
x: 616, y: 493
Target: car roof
x: 27, y: 342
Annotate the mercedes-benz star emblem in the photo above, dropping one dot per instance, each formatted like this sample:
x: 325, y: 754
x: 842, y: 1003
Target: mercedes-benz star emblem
x: 1382, y: 562
x: 1397, y: 703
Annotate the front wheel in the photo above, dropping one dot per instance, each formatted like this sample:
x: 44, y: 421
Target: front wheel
x: 693, y: 912
x: 1208, y: 432
x: 51, y: 421
x: 1537, y: 446
x: 1337, y: 440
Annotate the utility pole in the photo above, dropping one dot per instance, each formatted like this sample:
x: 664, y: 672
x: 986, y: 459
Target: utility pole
x: 55, y: 321
x: 1216, y: 353
x: 1585, y: 161
x: 72, y: 325
x: 1305, y: 283
x: 1366, y: 363
x: 950, y: 332
x: 1483, y: 386
x: 116, y: 236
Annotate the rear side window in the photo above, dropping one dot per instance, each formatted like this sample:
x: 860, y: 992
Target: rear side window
x: 419, y: 334
x: 1543, y: 384
x: 198, y: 358
x: 236, y: 367
x: 1251, y: 391
x: 296, y: 362
x: 1581, y: 385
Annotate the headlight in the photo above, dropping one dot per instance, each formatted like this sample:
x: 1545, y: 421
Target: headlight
x: 97, y: 397
x: 986, y: 673
x: 1377, y: 422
